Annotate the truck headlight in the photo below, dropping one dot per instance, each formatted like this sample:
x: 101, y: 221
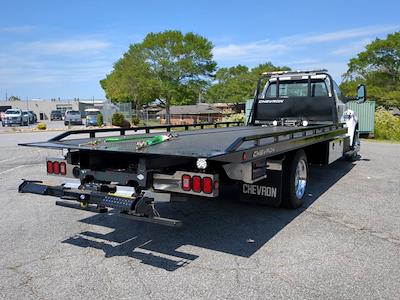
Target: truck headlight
x: 201, y: 163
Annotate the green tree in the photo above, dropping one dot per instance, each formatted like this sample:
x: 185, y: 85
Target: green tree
x: 181, y: 64
x: 232, y: 85
x: 131, y: 79
x: 237, y: 84
x: 379, y: 66
x: 171, y: 67
x: 14, y: 98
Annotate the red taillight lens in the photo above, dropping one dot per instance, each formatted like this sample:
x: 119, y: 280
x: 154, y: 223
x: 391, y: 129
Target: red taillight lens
x: 63, y: 168
x: 56, y: 167
x: 186, y: 183
x: 196, y: 184
x: 49, y: 167
x: 207, y: 185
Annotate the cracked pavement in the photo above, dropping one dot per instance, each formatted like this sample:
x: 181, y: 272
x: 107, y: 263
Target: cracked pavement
x: 344, y: 243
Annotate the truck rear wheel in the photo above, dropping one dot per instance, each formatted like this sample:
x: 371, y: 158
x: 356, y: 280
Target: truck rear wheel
x: 295, y: 176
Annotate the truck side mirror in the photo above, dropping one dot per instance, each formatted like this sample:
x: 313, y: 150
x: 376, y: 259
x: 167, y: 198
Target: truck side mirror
x: 361, y: 93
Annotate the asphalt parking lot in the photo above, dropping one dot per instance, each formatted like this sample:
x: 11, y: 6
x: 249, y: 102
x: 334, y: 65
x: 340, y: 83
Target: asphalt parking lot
x: 344, y: 244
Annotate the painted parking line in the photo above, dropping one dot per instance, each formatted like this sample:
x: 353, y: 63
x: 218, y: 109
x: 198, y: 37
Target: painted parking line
x: 12, y: 169
x: 18, y: 157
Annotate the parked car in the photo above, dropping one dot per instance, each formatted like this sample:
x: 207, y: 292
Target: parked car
x: 72, y: 117
x: 26, y: 114
x: 91, y: 116
x: 56, y: 115
x: 15, y: 116
x: 29, y: 115
x: 34, y: 117
x: 91, y: 120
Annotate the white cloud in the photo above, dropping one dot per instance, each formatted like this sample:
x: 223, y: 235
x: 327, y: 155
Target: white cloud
x: 17, y: 29
x: 343, y: 34
x: 45, y: 62
x: 306, y: 51
x: 249, y: 52
x: 68, y: 46
x: 352, y: 49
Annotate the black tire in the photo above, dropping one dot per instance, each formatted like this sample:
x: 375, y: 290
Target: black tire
x: 351, y: 156
x: 66, y: 123
x: 293, y: 187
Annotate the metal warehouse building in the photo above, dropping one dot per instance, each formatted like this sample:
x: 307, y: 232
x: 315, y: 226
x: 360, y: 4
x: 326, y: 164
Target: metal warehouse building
x: 43, y: 108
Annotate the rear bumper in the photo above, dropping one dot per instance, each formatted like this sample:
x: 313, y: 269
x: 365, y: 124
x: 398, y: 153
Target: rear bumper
x: 74, y: 122
x: 8, y: 122
x: 136, y: 207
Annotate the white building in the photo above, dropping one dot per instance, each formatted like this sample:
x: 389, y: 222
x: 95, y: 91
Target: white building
x: 43, y: 108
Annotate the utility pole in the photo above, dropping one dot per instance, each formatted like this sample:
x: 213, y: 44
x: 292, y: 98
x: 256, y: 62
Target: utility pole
x: 6, y: 96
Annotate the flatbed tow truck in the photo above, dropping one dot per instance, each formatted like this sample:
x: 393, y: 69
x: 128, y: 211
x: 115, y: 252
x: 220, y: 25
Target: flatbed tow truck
x: 297, y: 118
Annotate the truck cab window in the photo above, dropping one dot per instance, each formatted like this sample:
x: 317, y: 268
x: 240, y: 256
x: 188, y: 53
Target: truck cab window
x: 271, y: 92
x: 297, y: 89
x: 318, y: 89
x: 293, y: 89
x: 337, y: 91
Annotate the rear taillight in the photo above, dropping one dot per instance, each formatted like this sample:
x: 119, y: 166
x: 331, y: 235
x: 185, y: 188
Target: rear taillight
x: 207, y: 185
x: 196, y: 184
x: 63, y: 168
x: 49, y: 167
x: 56, y: 167
x: 186, y: 186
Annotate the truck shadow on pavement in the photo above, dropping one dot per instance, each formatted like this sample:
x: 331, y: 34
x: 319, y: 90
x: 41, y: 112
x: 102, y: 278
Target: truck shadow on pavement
x: 227, y: 226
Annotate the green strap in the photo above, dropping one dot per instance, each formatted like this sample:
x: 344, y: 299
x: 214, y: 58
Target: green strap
x: 151, y: 141
x: 122, y: 139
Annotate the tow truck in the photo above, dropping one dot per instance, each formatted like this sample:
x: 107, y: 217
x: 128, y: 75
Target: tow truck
x: 298, y: 118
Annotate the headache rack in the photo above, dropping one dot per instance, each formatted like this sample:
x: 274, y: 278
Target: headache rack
x: 310, y: 72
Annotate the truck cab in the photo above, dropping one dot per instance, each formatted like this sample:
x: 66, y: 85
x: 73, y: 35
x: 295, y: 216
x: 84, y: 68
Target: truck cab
x: 309, y: 97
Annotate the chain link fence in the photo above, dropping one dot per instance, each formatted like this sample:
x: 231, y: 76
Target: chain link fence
x: 110, y: 108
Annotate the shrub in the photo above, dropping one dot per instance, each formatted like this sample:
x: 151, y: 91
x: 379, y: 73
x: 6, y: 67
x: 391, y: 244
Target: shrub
x: 135, y: 121
x: 100, y: 120
x: 118, y: 119
x: 126, y: 124
x: 41, y: 126
x: 387, y: 126
x: 235, y: 118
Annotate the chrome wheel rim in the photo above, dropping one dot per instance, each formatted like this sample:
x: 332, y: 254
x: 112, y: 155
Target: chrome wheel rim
x: 300, y: 179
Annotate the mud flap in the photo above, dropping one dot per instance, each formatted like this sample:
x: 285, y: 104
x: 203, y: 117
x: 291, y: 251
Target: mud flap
x: 267, y: 191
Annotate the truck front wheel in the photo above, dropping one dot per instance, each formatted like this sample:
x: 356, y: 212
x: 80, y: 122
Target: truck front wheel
x: 295, y: 176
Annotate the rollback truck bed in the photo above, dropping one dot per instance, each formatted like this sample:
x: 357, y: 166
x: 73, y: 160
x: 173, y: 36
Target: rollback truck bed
x: 125, y: 172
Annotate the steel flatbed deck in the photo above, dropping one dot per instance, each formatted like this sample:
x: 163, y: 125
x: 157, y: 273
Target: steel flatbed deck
x: 220, y: 144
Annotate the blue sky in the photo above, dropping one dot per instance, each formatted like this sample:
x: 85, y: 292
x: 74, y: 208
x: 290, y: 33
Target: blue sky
x: 51, y: 49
